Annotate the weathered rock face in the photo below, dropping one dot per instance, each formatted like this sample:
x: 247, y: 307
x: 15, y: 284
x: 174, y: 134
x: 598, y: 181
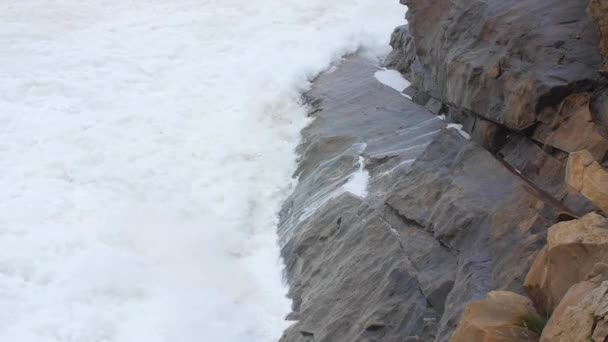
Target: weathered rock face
x: 573, y: 250
x: 504, y: 60
x: 491, y: 66
x: 444, y: 222
x: 571, y: 128
x: 491, y: 221
x: 349, y: 278
x: 499, y: 318
x: 597, y: 10
x: 589, y: 178
x: 404, y: 59
x: 581, y: 316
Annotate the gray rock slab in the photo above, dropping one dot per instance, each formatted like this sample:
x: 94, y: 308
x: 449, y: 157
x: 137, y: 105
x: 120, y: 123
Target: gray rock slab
x: 443, y: 223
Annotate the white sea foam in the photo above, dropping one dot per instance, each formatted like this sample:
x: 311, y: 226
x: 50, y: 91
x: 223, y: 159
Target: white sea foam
x: 459, y: 129
x: 393, y: 79
x: 358, y: 181
x: 146, y: 146
x: 355, y: 183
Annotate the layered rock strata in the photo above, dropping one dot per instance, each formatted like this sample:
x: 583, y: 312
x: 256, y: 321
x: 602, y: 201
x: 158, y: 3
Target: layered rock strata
x: 527, y: 80
x: 506, y: 61
x: 445, y: 221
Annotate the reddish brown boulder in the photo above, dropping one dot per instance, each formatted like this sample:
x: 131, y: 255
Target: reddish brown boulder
x: 572, y: 129
x: 588, y: 177
x: 580, y: 316
x: 501, y: 317
x: 573, y: 250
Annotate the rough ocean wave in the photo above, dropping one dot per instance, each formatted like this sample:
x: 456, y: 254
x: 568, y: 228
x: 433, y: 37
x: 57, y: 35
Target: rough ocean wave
x: 145, y: 149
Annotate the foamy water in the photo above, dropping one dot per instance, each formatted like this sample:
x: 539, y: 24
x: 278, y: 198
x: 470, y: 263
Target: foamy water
x: 145, y: 149
x: 392, y: 78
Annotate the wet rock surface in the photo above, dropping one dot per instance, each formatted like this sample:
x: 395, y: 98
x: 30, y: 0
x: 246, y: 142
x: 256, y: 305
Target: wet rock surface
x: 454, y: 212
x: 349, y: 278
x: 444, y: 222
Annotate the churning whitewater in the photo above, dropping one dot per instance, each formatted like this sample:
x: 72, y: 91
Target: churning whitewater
x: 146, y: 146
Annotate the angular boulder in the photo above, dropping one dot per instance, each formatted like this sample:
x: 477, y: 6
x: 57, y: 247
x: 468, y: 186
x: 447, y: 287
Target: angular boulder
x: 505, y: 60
x: 572, y: 129
x: 588, y: 177
x: 581, y: 315
x: 501, y: 317
x: 574, y: 249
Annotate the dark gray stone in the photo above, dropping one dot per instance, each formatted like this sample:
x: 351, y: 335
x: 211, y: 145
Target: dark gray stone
x: 349, y: 277
x: 485, y: 215
x: 599, y: 109
x: 350, y: 280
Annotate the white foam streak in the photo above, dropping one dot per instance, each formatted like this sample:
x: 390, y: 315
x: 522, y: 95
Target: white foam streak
x: 459, y: 129
x: 393, y: 79
x: 358, y: 181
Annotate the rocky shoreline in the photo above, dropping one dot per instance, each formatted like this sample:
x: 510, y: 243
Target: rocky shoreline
x: 488, y: 239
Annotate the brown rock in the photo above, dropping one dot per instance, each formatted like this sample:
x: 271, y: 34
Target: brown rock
x: 598, y: 10
x: 574, y: 248
x: 505, y: 60
x: 571, y: 129
x: 588, y: 177
x: 581, y: 315
x: 499, y: 318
